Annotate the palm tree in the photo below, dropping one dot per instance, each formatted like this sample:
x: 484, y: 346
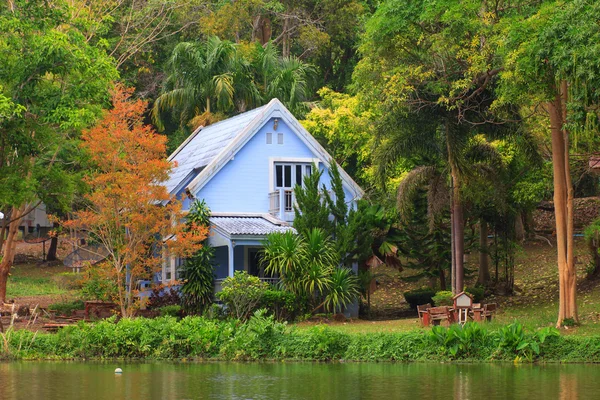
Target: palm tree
x: 205, y: 77
x: 285, y: 78
x: 309, y: 266
x: 445, y: 157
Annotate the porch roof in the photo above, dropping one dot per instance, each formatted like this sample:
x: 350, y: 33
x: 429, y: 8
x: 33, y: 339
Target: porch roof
x: 258, y: 225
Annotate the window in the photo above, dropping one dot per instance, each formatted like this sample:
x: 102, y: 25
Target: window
x: 269, y: 137
x: 279, y: 174
x: 179, y: 268
x: 280, y: 138
x: 287, y: 175
x: 298, y: 174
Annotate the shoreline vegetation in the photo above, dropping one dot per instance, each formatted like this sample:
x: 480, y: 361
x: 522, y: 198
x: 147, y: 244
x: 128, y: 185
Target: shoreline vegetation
x: 264, y: 339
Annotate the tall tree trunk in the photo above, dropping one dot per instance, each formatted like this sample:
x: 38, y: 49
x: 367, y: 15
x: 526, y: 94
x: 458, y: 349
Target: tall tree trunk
x: 442, y: 279
x: 519, y: 228
x: 484, y: 264
x: 53, y: 244
x: 563, y: 207
x: 9, y: 250
x: 458, y: 234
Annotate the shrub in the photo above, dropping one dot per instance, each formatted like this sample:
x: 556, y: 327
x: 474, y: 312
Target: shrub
x: 68, y: 280
x: 162, y: 296
x: 97, y: 284
x: 477, y: 292
x: 242, y: 294
x: 443, y: 298
x: 198, y: 272
x: 67, y: 308
x: 281, y: 303
x: 418, y: 297
x: 174, y: 310
x: 516, y: 341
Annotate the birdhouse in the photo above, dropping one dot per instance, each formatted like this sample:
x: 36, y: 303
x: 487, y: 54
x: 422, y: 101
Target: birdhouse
x: 463, y: 300
x: 594, y: 164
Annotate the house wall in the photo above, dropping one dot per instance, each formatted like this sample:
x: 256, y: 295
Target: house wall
x: 244, y: 183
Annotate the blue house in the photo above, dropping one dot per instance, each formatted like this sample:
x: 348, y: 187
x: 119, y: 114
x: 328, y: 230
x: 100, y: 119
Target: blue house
x: 245, y: 168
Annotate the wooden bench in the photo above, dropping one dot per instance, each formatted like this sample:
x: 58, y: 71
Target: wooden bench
x: 488, y: 311
x: 484, y: 313
x: 437, y: 315
x: 423, y: 315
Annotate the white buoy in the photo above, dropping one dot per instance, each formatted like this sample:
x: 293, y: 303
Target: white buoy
x: 118, y: 371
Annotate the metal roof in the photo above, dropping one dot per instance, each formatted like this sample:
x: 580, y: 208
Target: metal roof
x: 204, y: 145
x: 260, y: 225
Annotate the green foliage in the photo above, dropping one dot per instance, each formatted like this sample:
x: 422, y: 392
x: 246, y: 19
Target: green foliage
x: 460, y: 341
x: 308, y: 266
x: 419, y: 297
x: 425, y: 246
x: 342, y: 125
x: 256, y: 339
x: 343, y: 289
x: 173, y: 310
x: 242, y: 293
x: 513, y: 339
x: 57, y: 83
x: 67, y: 308
x: 282, y: 304
x: 215, y: 76
x: 96, y: 286
x: 263, y: 338
x: 68, y: 280
x: 311, y: 210
x: 443, y: 298
x: 198, y: 271
x: 477, y: 292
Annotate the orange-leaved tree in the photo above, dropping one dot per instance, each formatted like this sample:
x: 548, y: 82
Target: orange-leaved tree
x: 128, y: 209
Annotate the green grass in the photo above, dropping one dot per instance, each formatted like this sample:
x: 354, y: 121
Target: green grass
x: 26, y: 286
x: 28, y: 280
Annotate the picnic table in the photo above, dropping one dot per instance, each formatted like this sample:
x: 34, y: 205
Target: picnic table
x: 446, y: 315
x: 483, y: 313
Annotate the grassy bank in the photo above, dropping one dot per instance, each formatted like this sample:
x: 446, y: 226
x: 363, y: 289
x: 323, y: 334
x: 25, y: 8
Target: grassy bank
x: 264, y: 339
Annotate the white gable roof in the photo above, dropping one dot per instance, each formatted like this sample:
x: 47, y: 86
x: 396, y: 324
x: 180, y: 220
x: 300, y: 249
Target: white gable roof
x: 203, y: 145
x: 208, y: 150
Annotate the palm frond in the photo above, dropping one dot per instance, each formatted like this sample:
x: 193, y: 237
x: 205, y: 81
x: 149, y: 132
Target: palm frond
x: 410, y: 185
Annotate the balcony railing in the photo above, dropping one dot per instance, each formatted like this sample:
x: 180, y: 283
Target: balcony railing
x: 281, y: 199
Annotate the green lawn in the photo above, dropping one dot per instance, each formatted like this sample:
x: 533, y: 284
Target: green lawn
x: 28, y: 280
x: 532, y: 316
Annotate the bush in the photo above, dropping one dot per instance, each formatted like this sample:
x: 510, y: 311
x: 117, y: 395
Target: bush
x: 282, y: 304
x: 443, y: 298
x: 97, y: 284
x: 242, y: 294
x: 67, y: 308
x: 162, y: 296
x: 477, y: 292
x: 68, y: 280
x: 263, y: 338
x: 419, y: 297
x: 174, y: 310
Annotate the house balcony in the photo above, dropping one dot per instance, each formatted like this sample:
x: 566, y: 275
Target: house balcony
x: 281, y: 204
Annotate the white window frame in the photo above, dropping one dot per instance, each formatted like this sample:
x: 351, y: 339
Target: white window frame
x: 293, y: 161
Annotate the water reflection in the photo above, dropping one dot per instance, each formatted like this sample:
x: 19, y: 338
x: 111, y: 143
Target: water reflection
x: 423, y: 381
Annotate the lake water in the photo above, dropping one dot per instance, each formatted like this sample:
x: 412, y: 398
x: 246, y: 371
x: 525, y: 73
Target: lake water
x: 419, y: 381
